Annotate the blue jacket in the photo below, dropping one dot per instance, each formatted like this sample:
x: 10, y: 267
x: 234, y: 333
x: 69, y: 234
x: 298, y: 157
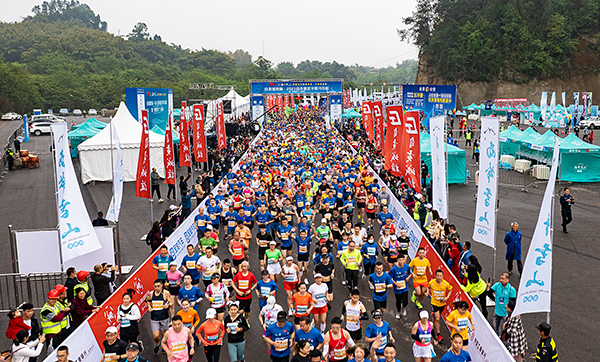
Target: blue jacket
x: 513, y: 244
x: 186, y: 201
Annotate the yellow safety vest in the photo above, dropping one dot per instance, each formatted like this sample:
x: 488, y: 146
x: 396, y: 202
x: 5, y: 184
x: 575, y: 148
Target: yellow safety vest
x: 416, y: 210
x: 64, y: 323
x: 49, y: 327
x: 88, y: 294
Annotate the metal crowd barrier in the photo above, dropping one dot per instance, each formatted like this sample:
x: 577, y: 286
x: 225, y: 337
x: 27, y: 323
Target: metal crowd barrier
x: 33, y: 288
x: 509, y: 176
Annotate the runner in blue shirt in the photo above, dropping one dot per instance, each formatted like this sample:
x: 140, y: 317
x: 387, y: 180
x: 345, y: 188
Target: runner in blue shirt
x: 214, y: 213
x: 190, y: 292
x: 201, y: 220
x: 284, y: 234
x: 369, y: 251
x: 263, y: 217
x: 304, y: 225
x: 189, y: 264
x: 383, y: 215
x: 300, y: 199
x: 379, y: 283
x: 161, y: 263
x: 280, y: 336
x: 309, y: 333
x: 265, y: 288
x: 231, y: 221
x: 400, y: 273
x: 303, y: 242
x: 456, y: 353
x: 381, y: 329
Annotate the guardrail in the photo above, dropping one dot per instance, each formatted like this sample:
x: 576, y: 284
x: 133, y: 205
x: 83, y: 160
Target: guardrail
x: 509, y: 176
x: 18, y: 288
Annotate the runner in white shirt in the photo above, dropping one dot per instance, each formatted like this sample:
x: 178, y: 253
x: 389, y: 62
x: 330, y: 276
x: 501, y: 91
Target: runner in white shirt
x: 319, y: 292
x: 217, y: 293
x: 291, y: 276
x: 208, y: 266
x: 268, y: 313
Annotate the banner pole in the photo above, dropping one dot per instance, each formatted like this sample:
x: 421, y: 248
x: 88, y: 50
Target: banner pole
x: 447, y: 206
x: 56, y: 200
x: 151, y: 212
x: 118, y: 248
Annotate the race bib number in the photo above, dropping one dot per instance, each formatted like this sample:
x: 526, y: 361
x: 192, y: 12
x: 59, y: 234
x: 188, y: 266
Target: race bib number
x: 218, y: 299
x: 371, y: 251
x: 237, y: 204
x: 232, y: 327
x: 326, y: 278
x: 303, y: 249
x: 231, y: 223
x: 339, y: 353
x: 284, y: 236
x: 351, y: 260
x: 227, y: 282
x: 265, y: 291
x: 421, y: 270
x: 201, y: 222
x: 212, y: 338
x: 320, y: 296
x: 273, y: 213
x: 248, y: 213
x: 190, y: 264
x: 309, y: 199
x: 163, y: 267
x: 243, y: 284
x: 379, y: 287
x: 340, y: 195
x: 301, y: 309
x: 272, y: 260
x: 263, y: 243
x: 125, y: 322
x: 353, y: 319
x: 289, y: 277
x: 157, y: 304
x: 462, y: 322
x: 281, y: 345
x: 426, y: 337
x: 300, y: 204
x: 237, y: 252
x: 439, y: 295
x: 213, y: 216
x: 402, y: 284
x: 209, y: 271
x: 384, y: 202
x: 178, y: 347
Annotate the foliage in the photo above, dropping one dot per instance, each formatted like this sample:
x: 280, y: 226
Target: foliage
x: 516, y: 40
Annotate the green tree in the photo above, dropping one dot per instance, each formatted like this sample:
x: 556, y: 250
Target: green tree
x: 139, y: 33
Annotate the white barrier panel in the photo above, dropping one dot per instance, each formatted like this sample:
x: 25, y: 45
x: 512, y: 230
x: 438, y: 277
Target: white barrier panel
x: 38, y: 251
x: 45, y: 257
x: 82, y: 346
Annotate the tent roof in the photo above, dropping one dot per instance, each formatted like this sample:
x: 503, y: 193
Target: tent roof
x: 572, y: 143
x: 531, y: 136
x: 512, y: 133
x: 128, y: 129
x: 547, y: 139
x: 351, y: 114
x: 426, y: 146
x: 162, y: 132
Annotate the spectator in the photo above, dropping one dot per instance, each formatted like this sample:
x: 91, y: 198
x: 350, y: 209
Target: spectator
x: 71, y: 282
x: 102, y: 283
x: 155, y: 184
x: 23, y: 349
x: 154, y: 237
x: 15, y: 324
x: 81, y: 308
x: 29, y: 320
x: 100, y: 220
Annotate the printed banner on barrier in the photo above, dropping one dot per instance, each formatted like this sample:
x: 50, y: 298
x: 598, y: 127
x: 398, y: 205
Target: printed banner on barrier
x: 487, y: 191
x: 378, y: 116
x: 221, y: 136
x: 367, y: 116
x: 185, y: 158
x: 535, y: 287
x: 335, y: 107
x: 82, y: 346
x: 142, y: 179
x: 114, y: 209
x: 438, y: 162
x: 410, y: 151
x: 258, y: 108
x: 200, y: 152
x: 77, y: 235
x: 169, y: 154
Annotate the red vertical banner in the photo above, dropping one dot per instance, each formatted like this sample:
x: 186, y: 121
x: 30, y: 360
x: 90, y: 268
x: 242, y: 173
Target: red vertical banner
x: 280, y: 103
x: 199, y: 136
x: 292, y: 101
x: 378, y: 117
x: 221, y: 136
x: 184, y: 139
x: 168, y: 155
x: 410, y: 151
x: 142, y: 179
x: 286, y: 101
x: 393, y: 136
x: 367, y: 115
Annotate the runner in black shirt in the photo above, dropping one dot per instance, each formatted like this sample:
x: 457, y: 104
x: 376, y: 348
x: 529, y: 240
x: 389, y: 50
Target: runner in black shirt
x: 113, y: 346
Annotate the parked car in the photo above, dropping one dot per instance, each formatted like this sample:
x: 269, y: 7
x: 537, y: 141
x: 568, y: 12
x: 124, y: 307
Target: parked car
x: 77, y: 112
x: 38, y: 128
x: 592, y: 122
x: 92, y: 112
x: 46, y: 118
x: 63, y: 112
x: 11, y: 116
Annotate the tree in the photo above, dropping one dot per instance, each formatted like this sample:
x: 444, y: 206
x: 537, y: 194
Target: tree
x: 139, y: 33
x: 69, y: 10
x: 241, y: 57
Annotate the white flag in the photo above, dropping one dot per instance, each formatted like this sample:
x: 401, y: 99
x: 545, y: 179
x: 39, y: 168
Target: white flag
x: 77, y: 235
x: 438, y: 165
x: 553, y: 103
x: 535, y: 287
x: 487, y: 191
x: 115, y: 203
x: 544, y: 104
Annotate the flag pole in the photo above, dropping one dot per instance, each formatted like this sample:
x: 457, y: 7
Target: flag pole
x: 447, y: 181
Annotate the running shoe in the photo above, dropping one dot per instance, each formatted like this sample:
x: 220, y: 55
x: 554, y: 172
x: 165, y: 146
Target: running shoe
x: 419, y: 305
x: 440, y: 338
x: 306, y: 281
x: 413, y: 298
x: 156, y: 349
x: 404, y: 312
x: 397, y: 315
x: 141, y: 344
x: 290, y: 312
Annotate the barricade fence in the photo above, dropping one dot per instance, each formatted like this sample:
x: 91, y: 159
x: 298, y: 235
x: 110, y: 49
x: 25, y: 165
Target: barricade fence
x: 18, y: 288
x: 511, y: 176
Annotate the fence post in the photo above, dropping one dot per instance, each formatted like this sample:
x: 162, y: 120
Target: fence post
x: 29, y: 295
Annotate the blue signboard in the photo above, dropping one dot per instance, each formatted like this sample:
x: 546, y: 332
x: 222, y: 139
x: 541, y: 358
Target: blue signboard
x: 157, y: 101
x: 296, y: 87
x: 433, y: 100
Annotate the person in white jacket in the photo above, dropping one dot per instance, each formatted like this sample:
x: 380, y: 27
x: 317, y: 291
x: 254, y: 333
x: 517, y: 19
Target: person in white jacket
x: 22, y: 350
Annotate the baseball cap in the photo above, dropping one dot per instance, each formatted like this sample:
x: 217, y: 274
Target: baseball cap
x: 281, y: 316
x: 423, y: 314
x: 172, y: 207
x: 289, y: 258
x: 112, y: 329
x: 215, y: 275
x: 173, y: 263
x: 428, y: 206
x: 418, y: 196
x: 273, y: 242
x: 318, y: 275
x: 271, y: 301
x: 133, y: 346
x: 376, y: 314
x: 209, y: 227
x: 264, y: 272
x: 323, y: 221
x: 211, y: 313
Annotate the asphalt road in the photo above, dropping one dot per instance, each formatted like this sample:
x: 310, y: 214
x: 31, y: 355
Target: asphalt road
x: 28, y: 203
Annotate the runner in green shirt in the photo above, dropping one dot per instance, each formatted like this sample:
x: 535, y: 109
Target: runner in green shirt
x: 272, y: 258
x: 207, y: 241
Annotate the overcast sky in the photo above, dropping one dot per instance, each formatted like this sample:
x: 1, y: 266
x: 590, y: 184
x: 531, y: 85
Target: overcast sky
x: 348, y: 32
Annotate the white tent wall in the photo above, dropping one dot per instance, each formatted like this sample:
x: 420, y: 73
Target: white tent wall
x: 94, y: 153
x: 239, y: 105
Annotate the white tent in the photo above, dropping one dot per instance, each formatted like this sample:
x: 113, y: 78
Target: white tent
x: 94, y: 153
x: 239, y: 105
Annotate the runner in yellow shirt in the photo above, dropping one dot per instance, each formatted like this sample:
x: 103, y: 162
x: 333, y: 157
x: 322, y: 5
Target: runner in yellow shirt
x: 458, y: 321
x: 439, y: 289
x: 351, y: 259
x: 419, y: 267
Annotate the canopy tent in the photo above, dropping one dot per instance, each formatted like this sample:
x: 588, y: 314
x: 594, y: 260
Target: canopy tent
x: 509, y: 140
x: 87, y: 129
x: 351, y: 114
x: 90, y: 122
x: 579, y: 160
x: 160, y: 131
x: 95, y: 152
x: 239, y: 105
x: 471, y: 107
x: 457, y: 160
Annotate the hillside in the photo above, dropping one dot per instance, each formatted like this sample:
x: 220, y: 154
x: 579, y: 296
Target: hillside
x: 62, y: 56
x: 509, y: 48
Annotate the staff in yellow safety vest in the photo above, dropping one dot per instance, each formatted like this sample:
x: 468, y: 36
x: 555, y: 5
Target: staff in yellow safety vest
x: 51, y: 317
x: 62, y: 304
x: 82, y: 279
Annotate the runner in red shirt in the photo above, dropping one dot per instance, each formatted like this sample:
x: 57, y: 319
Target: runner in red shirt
x: 244, y: 283
x: 336, y: 342
x: 361, y: 201
x: 370, y: 208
